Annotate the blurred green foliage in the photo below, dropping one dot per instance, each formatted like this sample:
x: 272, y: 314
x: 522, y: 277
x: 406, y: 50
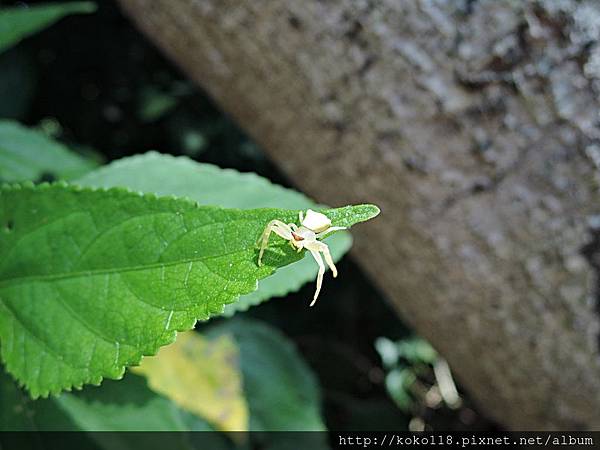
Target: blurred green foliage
x: 19, y: 22
x: 30, y: 155
x: 405, y: 361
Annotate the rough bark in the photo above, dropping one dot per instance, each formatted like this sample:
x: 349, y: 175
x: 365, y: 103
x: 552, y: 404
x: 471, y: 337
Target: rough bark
x: 475, y: 126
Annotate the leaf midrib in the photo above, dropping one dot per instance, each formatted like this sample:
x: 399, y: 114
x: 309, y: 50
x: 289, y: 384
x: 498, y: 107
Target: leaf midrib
x: 59, y: 276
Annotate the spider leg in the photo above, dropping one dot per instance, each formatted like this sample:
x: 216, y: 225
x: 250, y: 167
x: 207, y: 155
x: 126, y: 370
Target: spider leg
x: 277, y: 227
x: 301, y: 216
x: 329, y: 230
x: 328, y: 259
x: 319, y: 261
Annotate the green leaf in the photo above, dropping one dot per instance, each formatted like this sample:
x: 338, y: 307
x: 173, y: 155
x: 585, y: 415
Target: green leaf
x: 156, y: 103
x: 16, y: 23
x: 127, y: 405
x: 28, y: 155
x: 281, y: 390
x: 417, y: 351
x: 210, y: 185
x: 398, y: 383
x: 91, y: 280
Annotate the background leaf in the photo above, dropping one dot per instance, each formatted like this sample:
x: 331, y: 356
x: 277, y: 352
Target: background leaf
x: 282, y: 391
x: 117, y: 407
x: 210, y: 185
x: 125, y: 405
x: 91, y: 280
x: 27, y: 154
x: 16, y: 23
x: 18, y: 412
x: 201, y: 376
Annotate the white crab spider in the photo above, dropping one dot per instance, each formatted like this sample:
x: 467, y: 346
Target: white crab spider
x: 312, y: 227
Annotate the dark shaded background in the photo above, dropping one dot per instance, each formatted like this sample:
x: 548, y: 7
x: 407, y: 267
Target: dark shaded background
x: 95, y: 83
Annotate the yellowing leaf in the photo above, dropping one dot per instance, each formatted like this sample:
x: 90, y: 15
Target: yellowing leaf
x: 203, y: 377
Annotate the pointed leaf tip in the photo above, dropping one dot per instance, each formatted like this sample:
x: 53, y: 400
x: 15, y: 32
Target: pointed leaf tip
x: 351, y: 215
x: 372, y: 210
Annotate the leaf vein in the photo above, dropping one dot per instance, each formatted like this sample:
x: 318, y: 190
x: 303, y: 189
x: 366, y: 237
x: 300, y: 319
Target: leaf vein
x: 58, y: 276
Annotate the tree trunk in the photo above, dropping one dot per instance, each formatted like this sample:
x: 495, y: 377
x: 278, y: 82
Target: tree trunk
x: 475, y: 126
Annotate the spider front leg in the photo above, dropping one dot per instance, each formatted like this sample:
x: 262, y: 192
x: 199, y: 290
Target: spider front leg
x: 329, y: 230
x: 277, y: 227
